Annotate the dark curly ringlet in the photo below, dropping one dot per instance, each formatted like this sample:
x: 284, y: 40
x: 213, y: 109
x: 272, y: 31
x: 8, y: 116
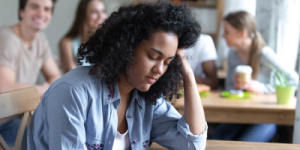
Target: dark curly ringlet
x: 112, y: 47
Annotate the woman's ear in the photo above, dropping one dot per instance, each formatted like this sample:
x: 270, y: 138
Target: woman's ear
x: 244, y: 33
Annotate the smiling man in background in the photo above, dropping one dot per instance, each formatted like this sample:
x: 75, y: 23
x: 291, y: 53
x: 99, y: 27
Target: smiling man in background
x: 24, y: 52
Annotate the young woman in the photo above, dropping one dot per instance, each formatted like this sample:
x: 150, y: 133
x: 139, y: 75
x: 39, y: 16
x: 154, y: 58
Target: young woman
x: 119, y: 102
x: 248, y: 48
x: 89, y: 14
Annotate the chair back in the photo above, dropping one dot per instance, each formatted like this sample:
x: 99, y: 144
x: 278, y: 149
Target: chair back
x: 19, y: 102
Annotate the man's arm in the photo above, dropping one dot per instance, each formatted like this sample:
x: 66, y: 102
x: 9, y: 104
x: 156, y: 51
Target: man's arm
x: 210, y: 72
x: 50, y: 70
x: 8, y: 82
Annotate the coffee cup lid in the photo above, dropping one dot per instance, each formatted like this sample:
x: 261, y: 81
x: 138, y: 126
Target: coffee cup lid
x: 243, y: 69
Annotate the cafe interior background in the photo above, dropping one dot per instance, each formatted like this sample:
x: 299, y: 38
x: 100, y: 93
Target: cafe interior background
x: 277, y: 20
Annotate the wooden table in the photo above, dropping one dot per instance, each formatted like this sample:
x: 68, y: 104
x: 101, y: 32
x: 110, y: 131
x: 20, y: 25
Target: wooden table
x: 235, y: 145
x: 258, y: 109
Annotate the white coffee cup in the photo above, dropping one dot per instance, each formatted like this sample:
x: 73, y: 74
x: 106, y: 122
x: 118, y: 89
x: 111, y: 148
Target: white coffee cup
x: 243, y: 73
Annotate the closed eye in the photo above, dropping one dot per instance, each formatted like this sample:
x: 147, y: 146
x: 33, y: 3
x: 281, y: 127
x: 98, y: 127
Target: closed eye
x: 151, y: 58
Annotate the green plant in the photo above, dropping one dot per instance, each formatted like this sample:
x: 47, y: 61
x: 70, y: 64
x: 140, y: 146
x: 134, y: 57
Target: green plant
x: 281, y: 76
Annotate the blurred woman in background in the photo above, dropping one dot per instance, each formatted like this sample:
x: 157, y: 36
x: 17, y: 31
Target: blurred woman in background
x: 249, y: 48
x: 89, y: 15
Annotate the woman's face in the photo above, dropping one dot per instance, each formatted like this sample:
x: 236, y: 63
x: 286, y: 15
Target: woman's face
x: 232, y: 36
x: 95, y: 14
x: 151, y: 60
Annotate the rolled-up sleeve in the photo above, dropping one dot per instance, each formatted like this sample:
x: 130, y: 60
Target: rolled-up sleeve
x: 184, y: 129
x: 171, y: 130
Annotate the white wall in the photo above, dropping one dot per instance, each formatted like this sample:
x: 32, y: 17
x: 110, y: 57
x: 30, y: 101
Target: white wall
x: 207, y: 17
x: 279, y: 23
x: 8, y: 12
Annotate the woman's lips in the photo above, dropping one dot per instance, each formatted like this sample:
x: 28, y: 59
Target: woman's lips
x: 151, y: 79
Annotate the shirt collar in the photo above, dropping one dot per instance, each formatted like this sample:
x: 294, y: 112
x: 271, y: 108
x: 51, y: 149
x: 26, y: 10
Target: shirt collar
x: 112, y: 94
x: 137, y: 97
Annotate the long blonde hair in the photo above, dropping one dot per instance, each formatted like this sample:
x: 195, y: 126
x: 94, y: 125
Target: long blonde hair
x: 243, y: 20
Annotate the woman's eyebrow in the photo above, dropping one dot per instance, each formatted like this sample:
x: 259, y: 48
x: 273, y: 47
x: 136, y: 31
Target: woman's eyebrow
x: 161, y: 53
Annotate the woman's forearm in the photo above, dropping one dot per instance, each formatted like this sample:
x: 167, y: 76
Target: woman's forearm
x: 193, y: 109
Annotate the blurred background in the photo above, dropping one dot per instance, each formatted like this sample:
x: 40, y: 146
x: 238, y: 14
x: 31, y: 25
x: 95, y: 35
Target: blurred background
x: 278, y: 21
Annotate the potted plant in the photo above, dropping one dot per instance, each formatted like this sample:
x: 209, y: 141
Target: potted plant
x: 284, y: 92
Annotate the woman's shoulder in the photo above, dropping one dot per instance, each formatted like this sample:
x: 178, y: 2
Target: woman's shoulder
x: 65, y: 41
x: 76, y: 86
x: 267, y: 53
x: 79, y: 78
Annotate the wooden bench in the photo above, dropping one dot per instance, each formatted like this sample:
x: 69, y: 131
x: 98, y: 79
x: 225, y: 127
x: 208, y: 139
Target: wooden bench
x: 237, y: 145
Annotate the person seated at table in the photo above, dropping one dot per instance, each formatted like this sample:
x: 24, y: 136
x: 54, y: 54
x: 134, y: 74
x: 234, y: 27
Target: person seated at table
x: 202, y: 58
x: 89, y: 14
x: 249, y: 48
x: 119, y: 102
x: 24, y: 52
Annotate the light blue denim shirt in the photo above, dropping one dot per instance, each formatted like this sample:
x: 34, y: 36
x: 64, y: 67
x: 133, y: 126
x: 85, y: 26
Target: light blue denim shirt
x: 79, y: 112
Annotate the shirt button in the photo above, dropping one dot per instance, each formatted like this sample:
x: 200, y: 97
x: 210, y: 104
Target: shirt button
x: 129, y: 116
x: 133, y: 142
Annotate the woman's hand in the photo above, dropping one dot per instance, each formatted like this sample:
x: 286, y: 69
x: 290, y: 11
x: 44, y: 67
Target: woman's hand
x: 186, y: 69
x: 253, y: 86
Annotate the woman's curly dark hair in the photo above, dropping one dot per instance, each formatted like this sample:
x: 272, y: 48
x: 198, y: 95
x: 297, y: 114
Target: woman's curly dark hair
x: 111, y: 48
